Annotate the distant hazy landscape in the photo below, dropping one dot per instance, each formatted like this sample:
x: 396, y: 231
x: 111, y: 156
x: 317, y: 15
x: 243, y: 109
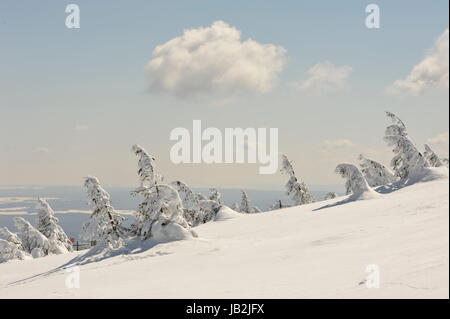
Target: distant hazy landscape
x: 70, y: 205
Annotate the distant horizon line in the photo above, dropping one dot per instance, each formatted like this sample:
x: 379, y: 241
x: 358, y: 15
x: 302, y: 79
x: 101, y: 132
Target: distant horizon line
x: 281, y: 188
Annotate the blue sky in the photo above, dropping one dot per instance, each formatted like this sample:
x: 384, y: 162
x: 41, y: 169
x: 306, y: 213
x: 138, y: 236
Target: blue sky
x: 74, y: 101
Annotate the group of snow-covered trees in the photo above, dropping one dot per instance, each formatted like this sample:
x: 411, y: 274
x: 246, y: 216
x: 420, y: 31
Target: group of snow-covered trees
x: 46, y: 238
x: 408, y: 164
x: 167, y: 210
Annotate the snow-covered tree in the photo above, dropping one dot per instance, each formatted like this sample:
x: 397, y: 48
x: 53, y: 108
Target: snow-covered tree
x: 206, y: 211
x: 33, y: 241
x: 408, y: 161
x: 376, y: 174
x: 245, y: 203
x: 146, y: 167
x: 445, y: 161
x: 47, y: 224
x: 198, y: 209
x: 355, y: 183
x: 330, y: 195
x: 161, y: 203
x: 105, y: 224
x: 296, y: 190
x: 11, y: 246
x: 432, y: 158
x: 190, y: 202
x: 215, y: 195
x: 246, y: 207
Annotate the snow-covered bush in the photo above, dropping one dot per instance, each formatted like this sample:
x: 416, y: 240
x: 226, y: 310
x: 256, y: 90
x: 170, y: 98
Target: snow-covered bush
x: 330, y: 195
x: 296, y: 190
x: 408, y: 162
x: 47, y: 224
x: 11, y: 246
x: 104, y: 225
x: 355, y: 183
x: 30, y: 237
x: 431, y: 157
x: 376, y: 174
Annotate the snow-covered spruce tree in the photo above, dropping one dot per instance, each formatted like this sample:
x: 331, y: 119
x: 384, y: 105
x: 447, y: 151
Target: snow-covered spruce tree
x: 11, y: 246
x: 330, y: 195
x: 146, y: 167
x: 432, y: 158
x: 215, y: 195
x: 197, y: 209
x: 376, y: 174
x: 47, y: 224
x: 245, y: 203
x: 408, y: 162
x: 246, y: 207
x: 104, y: 227
x: 355, y: 183
x: 161, y: 205
x: 296, y: 190
x: 33, y: 241
x: 445, y: 161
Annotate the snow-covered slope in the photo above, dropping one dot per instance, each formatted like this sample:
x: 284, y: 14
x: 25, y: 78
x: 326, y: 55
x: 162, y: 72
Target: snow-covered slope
x: 300, y: 252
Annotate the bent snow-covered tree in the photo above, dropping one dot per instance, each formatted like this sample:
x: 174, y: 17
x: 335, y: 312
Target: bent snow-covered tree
x: 146, y: 167
x: 11, y: 246
x: 375, y: 173
x: 47, y: 224
x: 432, y: 158
x: 33, y: 241
x: 161, y: 203
x: 105, y: 224
x: 197, y: 209
x: 355, y: 183
x: 408, y: 162
x: 296, y: 190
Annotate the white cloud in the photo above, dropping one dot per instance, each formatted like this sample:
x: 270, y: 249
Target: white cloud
x: 439, y: 139
x: 214, y: 60
x: 326, y: 77
x: 81, y: 127
x: 431, y: 72
x: 338, y: 143
x: 41, y: 150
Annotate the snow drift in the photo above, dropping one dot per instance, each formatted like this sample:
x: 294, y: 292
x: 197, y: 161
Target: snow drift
x: 297, y: 252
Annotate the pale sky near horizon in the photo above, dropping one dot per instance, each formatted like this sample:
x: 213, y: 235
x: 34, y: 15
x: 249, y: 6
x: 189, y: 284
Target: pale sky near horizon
x: 73, y: 101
